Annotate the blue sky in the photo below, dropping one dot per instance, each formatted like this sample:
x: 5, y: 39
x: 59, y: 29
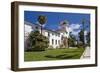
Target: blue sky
x: 54, y: 18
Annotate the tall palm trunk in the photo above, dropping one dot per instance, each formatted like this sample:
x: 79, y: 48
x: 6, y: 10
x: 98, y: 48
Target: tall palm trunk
x: 42, y: 20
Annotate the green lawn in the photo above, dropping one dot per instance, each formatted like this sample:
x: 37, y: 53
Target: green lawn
x: 57, y: 54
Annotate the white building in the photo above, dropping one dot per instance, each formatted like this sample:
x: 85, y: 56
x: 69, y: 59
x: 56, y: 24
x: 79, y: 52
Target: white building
x: 56, y: 38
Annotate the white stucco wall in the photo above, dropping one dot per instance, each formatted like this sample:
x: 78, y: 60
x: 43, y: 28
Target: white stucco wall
x: 54, y: 36
x: 28, y: 29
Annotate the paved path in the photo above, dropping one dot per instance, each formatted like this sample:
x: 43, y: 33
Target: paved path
x: 86, y: 53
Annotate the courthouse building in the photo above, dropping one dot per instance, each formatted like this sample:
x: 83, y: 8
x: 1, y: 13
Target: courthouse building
x: 57, y: 38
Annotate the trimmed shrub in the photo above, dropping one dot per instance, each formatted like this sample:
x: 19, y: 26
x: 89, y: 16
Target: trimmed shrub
x: 38, y: 42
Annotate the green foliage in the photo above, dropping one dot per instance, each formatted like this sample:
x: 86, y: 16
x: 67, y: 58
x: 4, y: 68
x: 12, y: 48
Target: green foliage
x: 88, y: 38
x: 55, y: 54
x: 42, y: 19
x: 81, y: 36
x: 38, y: 42
x: 80, y: 45
x: 72, y: 40
x: 81, y: 39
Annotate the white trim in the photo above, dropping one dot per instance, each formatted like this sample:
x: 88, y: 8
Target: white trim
x: 23, y: 64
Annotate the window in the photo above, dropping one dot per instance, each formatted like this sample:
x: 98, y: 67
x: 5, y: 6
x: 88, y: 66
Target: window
x: 58, y: 35
x: 66, y: 32
x: 56, y: 41
x: 52, y: 41
x: 52, y: 33
x: 48, y: 34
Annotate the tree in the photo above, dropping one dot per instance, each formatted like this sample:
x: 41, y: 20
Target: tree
x: 65, y: 42
x: 42, y: 20
x: 88, y: 38
x: 82, y: 32
x: 72, y: 40
x: 81, y: 37
x: 38, y: 42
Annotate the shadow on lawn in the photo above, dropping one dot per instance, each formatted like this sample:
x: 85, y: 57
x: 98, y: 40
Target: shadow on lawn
x: 63, y: 56
x: 72, y: 51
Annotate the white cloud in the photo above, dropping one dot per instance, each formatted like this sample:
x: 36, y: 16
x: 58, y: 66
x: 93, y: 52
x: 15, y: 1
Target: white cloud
x: 74, y: 27
x: 70, y: 29
x: 75, y: 32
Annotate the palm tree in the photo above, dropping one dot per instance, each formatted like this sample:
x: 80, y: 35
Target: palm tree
x: 42, y: 20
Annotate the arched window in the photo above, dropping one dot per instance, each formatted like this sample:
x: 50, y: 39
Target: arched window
x: 56, y: 42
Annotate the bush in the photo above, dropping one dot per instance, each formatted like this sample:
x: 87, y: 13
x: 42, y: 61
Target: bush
x: 50, y: 47
x: 80, y: 45
x: 38, y: 42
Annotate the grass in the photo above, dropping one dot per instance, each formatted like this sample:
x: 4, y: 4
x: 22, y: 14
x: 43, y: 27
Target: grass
x: 56, y: 54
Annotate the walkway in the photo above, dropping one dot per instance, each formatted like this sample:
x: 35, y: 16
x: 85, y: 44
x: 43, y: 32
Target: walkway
x: 86, y: 53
